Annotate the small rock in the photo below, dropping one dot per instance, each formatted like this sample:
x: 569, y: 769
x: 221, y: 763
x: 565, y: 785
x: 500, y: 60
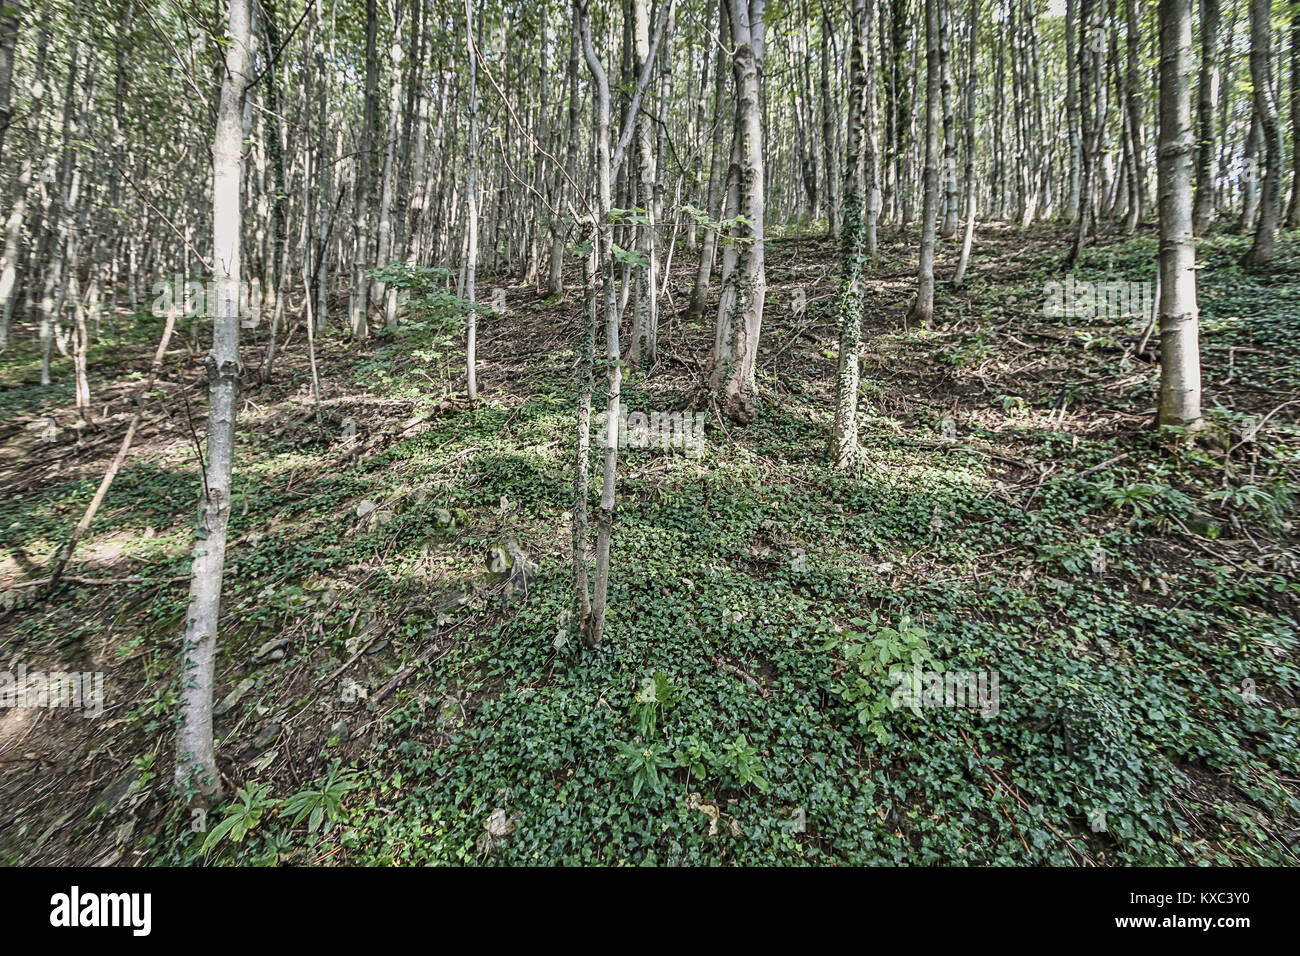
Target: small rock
x: 116, y: 792
x: 231, y: 699
x: 1205, y: 526
x: 499, y: 823
x: 272, y: 650
x: 265, y: 737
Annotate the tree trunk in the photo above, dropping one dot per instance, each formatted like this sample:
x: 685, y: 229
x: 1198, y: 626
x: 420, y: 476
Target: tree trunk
x: 922, y: 311
x: 852, y: 250
x: 196, y: 768
x: 828, y: 124
x: 870, y: 159
x: 1207, y: 102
x: 603, y: 248
x: 1072, y: 112
x: 968, y: 238
x: 1180, y: 362
x: 740, y: 310
x: 949, y: 227
x: 1261, y: 78
x: 362, y: 197
x: 1135, y: 109
x: 8, y: 43
x: 1293, y: 209
x: 717, y: 172
x: 645, y: 316
x: 471, y: 211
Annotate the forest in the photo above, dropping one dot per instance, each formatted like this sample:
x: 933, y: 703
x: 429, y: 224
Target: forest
x: 649, y: 432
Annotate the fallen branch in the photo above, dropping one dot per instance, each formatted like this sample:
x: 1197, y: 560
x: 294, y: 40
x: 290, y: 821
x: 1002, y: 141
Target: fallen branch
x: 74, y: 579
x: 65, y: 555
x: 747, y: 678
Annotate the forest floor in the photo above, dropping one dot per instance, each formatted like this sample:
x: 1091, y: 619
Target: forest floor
x: 390, y: 698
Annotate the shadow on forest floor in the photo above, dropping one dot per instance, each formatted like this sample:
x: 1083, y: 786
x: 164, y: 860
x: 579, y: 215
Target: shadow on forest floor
x: 1127, y: 598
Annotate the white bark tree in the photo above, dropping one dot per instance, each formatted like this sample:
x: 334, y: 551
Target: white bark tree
x: 922, y: 311
x: 1180, y: 361
x: 740, y: 309
x: 196, y: 767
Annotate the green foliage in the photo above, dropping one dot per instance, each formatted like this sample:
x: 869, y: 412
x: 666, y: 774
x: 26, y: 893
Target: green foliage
x: 251, y: 802
x: 1145, y: 502
x: 630, y: 257
x: 727, y: 229
x: 741, y: 763
x: 876, y: 657
x: 1268, y: 502
x: 322, y: 803
x: 655, y: 695
x: 1140, y: 677
x: 643, y: 764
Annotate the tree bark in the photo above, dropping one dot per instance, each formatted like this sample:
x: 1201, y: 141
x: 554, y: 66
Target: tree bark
x: 968, y: 238
x: 1207, y: 102
x: 471, y: 212
x: 1180, y: 363
x: 1261, y: 78
x: 740, y: 310
x: 196, y: 768
x: 922, y: 311
x: 717, y: 172
x: 645, y: 316
x: 852, y: 251
x: 1072, y: 112
x: 1293, y: 208
x: 949, y: 227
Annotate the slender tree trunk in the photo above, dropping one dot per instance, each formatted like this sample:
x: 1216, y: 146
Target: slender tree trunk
x: 1072, y: 112
x: 471, y: 210
x: 1090, y: 94
x: 717, y: 172
x: 1180, y: 362
x: 645, y: 318
x: 594, y: 626
x: 1293, y: 209
x: 968, y: 238
x: 196, y: 768
x: 740, y: 310
x: 13, y: 250
x: 871, y: 158
x: 1135, y: 107
x: 1207, y: 103
x: 852, y: 250
x: 387, y: 237
x: 9, y: 14
x: 1250, y: 177
x: 583, y: 622
x: 362, y: 198
x: 555, y: 281
x: 828, y: 125
x: 949, y: 227
x: 1261, y: 78
x: 922, y: 311
x: 276, y: 261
